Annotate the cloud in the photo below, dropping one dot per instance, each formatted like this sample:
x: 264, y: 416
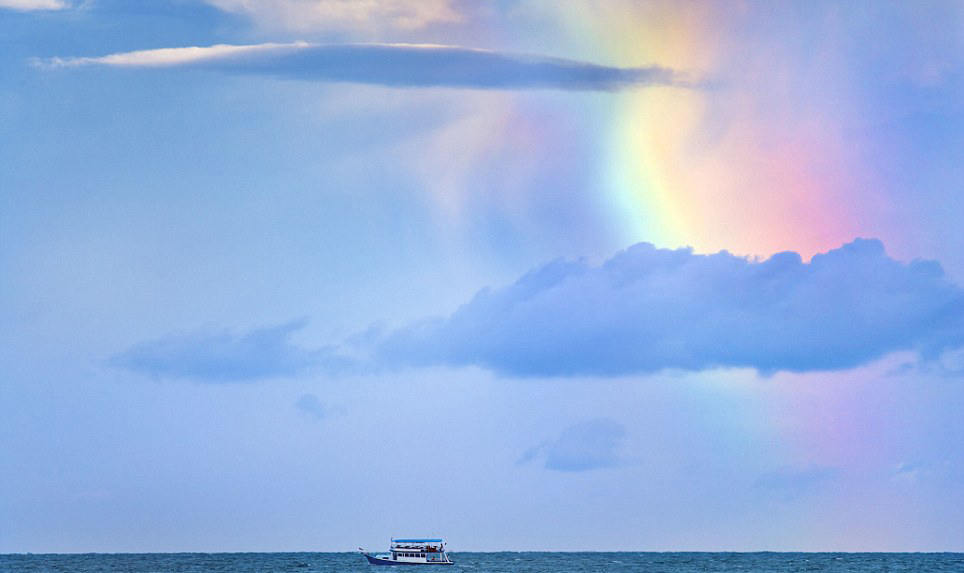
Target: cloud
x: 347, y: 15
x: 222, y: 356
x: 648, y: 309
x: 31, y: 5
x: 924, y: 472
x: 949, y: 363
x: 790, y: 483
x: 642, y: 311
x: 310, y: 405
x: 172, y: 57
x: 397, y: 65
x: 588, y: 445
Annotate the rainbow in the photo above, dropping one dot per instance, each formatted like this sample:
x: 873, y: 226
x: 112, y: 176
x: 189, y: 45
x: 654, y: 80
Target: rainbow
x: 753, y: 164
x: 711, y: 168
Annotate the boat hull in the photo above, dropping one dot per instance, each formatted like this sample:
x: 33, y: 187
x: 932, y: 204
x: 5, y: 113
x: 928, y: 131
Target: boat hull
x: 374, y: 560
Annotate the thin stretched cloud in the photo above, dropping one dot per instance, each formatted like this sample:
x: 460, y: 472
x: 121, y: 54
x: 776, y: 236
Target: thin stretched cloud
x: 790, y: 483
x: 261, y: 353
x: 396, y: 65
x: 315, y: 15
x: 648, y: 309
x: 34, y: 5
x: 222, y: 357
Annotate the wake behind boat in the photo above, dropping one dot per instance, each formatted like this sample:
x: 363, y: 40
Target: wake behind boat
x: 411, y: 552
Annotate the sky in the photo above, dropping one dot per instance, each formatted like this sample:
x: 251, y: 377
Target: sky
x: 304, y: 275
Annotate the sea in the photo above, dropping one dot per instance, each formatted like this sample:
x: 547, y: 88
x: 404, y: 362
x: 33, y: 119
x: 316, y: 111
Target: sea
x: 524, y: 562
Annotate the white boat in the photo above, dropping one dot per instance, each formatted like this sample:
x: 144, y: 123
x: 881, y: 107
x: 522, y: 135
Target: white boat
x: 411, y: 552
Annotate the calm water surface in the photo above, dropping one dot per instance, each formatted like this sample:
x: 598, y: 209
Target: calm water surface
x: 487, y: 563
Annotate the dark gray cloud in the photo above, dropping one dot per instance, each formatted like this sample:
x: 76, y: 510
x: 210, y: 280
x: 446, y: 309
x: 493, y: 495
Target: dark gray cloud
x: 589, y: 445
x: 398, y: 65
x: 648, y: 309
x: 222, y: 356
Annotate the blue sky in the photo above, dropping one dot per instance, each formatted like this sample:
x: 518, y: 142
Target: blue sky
x: 305, y: 275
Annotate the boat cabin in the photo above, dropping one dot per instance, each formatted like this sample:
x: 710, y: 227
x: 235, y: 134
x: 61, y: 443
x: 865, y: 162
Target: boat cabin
x: 412, y: 552
x: 418, y: 550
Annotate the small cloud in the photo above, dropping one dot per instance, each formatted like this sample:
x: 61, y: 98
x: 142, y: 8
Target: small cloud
x: 922, y: 472
x: 222, y: 356
x: 395, y: 65
x: 342, y: 15
x: 34, y: 5
x: 910, y: 472
x: 789, y: 483
x: 950, y: 362
x: 589, y: 445
x: 311, y: 406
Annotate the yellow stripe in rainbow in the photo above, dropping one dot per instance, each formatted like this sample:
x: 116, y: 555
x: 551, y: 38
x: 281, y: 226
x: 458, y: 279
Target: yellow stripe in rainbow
x: 650, y: 127
x: 639, y: 176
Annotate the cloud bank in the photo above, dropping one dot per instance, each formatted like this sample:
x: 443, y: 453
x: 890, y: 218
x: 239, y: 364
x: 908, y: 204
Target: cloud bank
x: 396, y: 65
x: 642, y: 311
x: 648, y: 309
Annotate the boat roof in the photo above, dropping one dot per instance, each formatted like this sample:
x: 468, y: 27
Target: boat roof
x: 417, y: 540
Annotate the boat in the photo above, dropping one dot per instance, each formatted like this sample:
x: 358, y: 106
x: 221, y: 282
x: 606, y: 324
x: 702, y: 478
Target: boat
x: 411, y: 552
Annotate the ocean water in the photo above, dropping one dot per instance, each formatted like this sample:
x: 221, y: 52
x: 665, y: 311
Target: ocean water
x: 535, y: 562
